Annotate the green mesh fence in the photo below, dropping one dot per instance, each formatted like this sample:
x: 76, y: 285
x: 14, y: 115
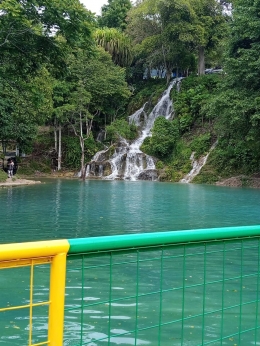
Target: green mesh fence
x: 200, y: 293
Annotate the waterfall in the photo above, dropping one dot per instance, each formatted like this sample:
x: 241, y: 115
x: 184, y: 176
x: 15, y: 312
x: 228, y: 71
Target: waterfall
x: 197, y: 165
x: 101, y: 135
x: 136, y: 117
x: 128, y: 162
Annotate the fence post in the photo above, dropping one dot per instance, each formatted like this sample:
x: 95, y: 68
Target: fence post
x: 57, y: 299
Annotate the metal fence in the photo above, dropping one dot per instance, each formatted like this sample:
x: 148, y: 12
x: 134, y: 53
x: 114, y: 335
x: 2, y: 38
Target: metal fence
x: 176, y: 288
x: 190, y: 288
x: 30, y: 316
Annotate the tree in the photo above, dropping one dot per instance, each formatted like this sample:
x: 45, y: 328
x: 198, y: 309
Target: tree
x: 170, y: 32
x: 94, y: 88
x: 80, y: 117
x: 23, y: 108
x: 61, y: 107
x: 113, y: 15
x: 238, y: 104
x: 163, y: 31
x: 177, y: 19
x: 35, y: 35
x: 164, y: 136
x: 209, y: 28
x: 242, y: 62
x: 117, y: 44
x: 29, y: 31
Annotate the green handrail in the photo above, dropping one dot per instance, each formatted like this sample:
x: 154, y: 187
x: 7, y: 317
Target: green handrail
x: 116, y: 242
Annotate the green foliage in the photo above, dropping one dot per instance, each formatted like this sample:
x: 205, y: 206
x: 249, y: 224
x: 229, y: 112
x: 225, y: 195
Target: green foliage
x: 169, y: 34
x: 3, y: 176
x: 236, y: 157
x: 34, y: 165
x: 21, y: 110
x: 164, y: 136
x: 146, y: 147
x: 104, y: 81
x: 201, y: 144
x: 237, y: 105
x: 146, y: 90
x: 181, y: 158
x: 162, y: 30
x: 208, y: 175
x: 36, y: 39
x: 159, y: 165
x: 26, y: 34
x: 120, y: 128
x: 72, y: 152
x: 43, y: 165
x: 44, y: 140
x: 117, y: 44
x: 190, y: 104
x: 91, y: 147
x: 178, y: 164
x: 114, y: 14
x: 94, y: 91
x: 242, y: 63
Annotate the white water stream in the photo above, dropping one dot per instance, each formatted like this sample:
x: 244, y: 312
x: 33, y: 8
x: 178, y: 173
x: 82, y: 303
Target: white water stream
x: 197, y: 165
x: 128, y: 162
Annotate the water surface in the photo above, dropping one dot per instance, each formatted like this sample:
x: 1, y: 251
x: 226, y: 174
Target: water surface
x: 71, y: 208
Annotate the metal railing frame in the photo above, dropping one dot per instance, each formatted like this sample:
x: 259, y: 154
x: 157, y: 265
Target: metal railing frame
x: 55, y: 252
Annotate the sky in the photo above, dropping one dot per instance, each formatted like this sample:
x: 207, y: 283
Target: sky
x: 94, y: 5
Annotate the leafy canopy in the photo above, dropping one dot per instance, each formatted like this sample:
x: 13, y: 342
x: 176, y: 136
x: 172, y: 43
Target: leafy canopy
x: 114, y: 14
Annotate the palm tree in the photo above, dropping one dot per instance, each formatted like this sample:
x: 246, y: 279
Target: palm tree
x: 117, y: 43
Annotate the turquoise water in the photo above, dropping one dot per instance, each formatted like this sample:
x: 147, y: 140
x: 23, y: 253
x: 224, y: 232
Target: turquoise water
x: 71, y: 208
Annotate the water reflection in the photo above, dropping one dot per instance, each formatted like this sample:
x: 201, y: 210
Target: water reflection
x: 68, y: 208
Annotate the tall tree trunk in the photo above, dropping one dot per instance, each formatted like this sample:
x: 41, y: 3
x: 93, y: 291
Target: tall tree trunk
x: 82, y: 160
x: 55, y: 135
x: 55, y: 139
x: 59, y: 149
x: 201, y: 61
x: 82, y: 146
x: 4, y: 145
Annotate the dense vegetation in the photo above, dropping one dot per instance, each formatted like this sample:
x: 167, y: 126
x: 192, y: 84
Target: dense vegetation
x: 67, y: 76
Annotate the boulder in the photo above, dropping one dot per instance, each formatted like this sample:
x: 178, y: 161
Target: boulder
x: 148, y: 174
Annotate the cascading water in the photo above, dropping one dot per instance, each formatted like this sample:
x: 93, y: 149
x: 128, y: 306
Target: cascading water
x: 197, y: 165
x: 128, y: 162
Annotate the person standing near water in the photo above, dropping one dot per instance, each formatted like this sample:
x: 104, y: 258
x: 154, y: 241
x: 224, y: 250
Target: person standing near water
x: 10, y: 168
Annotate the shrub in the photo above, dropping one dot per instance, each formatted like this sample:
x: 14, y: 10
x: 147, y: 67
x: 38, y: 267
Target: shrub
x: 3, y: 176
x: 201, y: 144
x: 164, y: 136
x: 71, y: 154
x: 121, y: 128
x: 190, y: 104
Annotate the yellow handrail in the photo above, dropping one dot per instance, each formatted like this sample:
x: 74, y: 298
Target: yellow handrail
x: 35, y: 253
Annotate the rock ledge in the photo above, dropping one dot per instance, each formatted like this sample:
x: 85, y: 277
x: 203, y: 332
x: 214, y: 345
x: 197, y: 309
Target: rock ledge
x: 240, y: 181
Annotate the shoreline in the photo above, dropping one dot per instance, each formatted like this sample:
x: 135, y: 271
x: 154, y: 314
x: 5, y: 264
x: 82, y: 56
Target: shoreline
x: 240, y: 181
x: 18, y: 182
x: 235, y: 181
